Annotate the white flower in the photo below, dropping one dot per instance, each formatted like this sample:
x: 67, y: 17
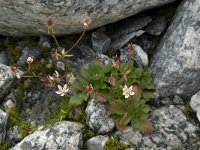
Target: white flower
x: 55, y: 76
x: 29, y: 60
x: 128, y: 91
x: 62, y: 91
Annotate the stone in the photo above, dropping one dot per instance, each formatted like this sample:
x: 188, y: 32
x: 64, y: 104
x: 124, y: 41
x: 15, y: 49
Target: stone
x: 33, y: 52
x: 178, y: 100
x: 63, y: 135
x: 172, y: 130
x: 104, y: 58
x: 3, y: 123
x: 6, y: 79
x: 123, y: 40
x: 157, y: 26
x: 100, y: 42
x: 195, y: 104
x: 97, y: 142
x: 86, y: 51
x: 26, y: 18
x: 97, y: 119
x: 3, y: 58
x: 140, y: 57
x: 44, y: 42
x: 176, y: 63
x: 13, y: 135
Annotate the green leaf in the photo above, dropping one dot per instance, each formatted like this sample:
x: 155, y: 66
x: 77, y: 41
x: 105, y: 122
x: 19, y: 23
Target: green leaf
x: 117, y: 107
x: 78, y: 98
x: 147, y: 95
x: 138, y: 72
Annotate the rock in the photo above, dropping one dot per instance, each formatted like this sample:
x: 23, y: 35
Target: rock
x: 103, y: 58
x: 130, y: 25
x: 44, y: 42
x: 176, y: 63
x: 86, y: 51
x: 6, y: 79
x: 41, y: 104
x: 96, y: 143
x: 3, y: 123
x: 123, y: 40
x: 195, y: 104
x: 140, y: 57
x: 157, y: 26
x: 97, y: 118
x: 3, y: 58
x: 100, y: 42
x: 64, y: 135
x: 13, y: 135
x: 166, y: 101
x: 29, y: 18
x: 172, y: 130
x: 177, y: 100
x: 33, y: 52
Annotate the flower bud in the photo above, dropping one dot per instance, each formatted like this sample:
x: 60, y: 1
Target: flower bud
x: 50, y: 25
x: 89, y: 88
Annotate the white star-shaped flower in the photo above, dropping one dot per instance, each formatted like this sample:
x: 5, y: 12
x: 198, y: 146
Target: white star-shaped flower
x: 128, y: 91
x: 62, y: 91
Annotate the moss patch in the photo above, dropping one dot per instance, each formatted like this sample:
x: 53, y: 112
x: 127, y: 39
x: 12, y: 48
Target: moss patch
x: 114, y: 144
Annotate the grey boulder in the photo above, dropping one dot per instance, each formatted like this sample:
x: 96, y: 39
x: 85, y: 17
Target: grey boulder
x: 62, y: 135
x: 176, y: 63
x: 22, y: 17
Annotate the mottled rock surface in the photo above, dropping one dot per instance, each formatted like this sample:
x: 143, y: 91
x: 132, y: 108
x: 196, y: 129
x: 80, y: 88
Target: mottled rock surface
x: 13, y: 135
x: 195, y: 104
x: 172, y: 130
x: 6, y: 79
x: 140, y: 57
x: 63, y: 135
x: 22, y: 17
x: 97, y: 118
x: 33, y: 52
x: 3, y: 58
x: 176, y: 63
x: 97, y: 142
x: 100, y: 42
x: 3, y: 123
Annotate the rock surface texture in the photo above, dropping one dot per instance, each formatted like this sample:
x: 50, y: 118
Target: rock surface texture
x: 3, y: 123
x: 176, y: 63
x: 6, y: 79
x: 22, y: 17
x: 97, y: 118
x: 172, y: 131
x: 195, y: 104
x: 97, y: 142
x: 63, y: 135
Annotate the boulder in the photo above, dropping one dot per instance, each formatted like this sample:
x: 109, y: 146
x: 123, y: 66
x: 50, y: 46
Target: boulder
x: 173, y: 130
x: 22, y: 17
x: 176, y: 63
x: 62, y: 135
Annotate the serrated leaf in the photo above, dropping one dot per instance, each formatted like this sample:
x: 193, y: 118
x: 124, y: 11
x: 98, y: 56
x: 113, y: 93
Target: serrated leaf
x: 78, y: 98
